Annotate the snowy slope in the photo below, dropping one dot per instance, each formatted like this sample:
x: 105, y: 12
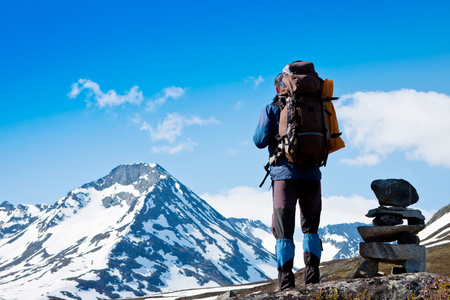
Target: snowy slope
x: 340, y: 241
x: 256, y: 230
x: 132, y: 233
x: 437, y: 230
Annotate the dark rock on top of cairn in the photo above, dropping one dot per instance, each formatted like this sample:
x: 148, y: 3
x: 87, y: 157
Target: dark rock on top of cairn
x: 394, y: 192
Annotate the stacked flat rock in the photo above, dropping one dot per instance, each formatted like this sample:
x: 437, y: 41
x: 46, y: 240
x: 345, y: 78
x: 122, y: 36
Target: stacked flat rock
x: 394, y: 195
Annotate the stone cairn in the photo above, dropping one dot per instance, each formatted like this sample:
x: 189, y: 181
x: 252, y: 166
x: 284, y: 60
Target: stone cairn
x: 394, y: 195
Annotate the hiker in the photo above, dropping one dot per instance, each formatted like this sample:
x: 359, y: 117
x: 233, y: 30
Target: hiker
x: 291, y: 184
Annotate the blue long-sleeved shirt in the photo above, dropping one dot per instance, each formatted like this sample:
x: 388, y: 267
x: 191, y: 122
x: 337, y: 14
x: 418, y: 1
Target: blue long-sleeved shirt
x: 264, y: 136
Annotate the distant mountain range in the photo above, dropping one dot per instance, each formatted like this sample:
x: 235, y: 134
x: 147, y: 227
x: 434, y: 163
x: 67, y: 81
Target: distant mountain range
x: 139, y: 231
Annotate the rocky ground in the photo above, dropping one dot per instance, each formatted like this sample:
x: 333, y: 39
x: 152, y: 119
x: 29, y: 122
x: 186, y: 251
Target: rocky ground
x: 405, y: 286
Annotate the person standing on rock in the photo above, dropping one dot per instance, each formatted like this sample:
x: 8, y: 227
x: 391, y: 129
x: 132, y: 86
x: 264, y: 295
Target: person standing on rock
x: 291, y: 184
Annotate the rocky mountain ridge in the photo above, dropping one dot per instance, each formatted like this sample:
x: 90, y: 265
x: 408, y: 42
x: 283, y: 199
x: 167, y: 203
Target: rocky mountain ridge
x: 437, y: 230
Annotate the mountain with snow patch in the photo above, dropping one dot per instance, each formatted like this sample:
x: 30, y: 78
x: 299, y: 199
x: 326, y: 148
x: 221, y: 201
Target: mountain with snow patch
x: 14, y: 219
x: 134, y: 232
x: 437, y: 229
x: 339, y: 241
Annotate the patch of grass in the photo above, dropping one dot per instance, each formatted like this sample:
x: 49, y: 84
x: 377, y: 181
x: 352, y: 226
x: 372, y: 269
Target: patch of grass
x: 337, y: 295
x: 438, y: 260
x: 438, y: 290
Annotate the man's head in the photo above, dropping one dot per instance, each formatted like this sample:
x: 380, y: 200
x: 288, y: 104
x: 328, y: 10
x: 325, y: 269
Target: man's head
x: 278, y: 82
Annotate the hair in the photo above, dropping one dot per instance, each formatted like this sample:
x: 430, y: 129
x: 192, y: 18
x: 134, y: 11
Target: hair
x: 278, y: 79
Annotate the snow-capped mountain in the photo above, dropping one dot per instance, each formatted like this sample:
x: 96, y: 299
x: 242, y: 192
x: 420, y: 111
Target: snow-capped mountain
x: 256, y: 230
x: 437, y: 230
x: 339, y: 241
x: 134, y: 232
x: 14, y: 219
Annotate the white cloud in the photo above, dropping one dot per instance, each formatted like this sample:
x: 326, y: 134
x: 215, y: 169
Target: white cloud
x: 171, y: 128
x: 379, y: 123
x: 243, y: 202
x: 133, y: 96
x: 175, y: 149
x: 255, y: 80
x: 363, y: 160
x: 256, y: 204
x: 168, y: 130
x: 195, y: 120
x: 169, y: 92
x: 341, y: 209
x: 108, y: 99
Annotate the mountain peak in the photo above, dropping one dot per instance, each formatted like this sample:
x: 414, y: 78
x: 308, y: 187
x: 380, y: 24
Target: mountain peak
x: 444, y: 210
x: 142, y: 175
x: 7, y: 206
x: 128, y: 174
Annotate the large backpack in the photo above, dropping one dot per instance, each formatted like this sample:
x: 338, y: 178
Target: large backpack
x: 304, y: 136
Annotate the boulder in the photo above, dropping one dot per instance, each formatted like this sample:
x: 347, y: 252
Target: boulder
x: 387, y: 233
x: 369, y: 268
x: 394, y: 192
x: 225, y: 296
x: 412, y: 257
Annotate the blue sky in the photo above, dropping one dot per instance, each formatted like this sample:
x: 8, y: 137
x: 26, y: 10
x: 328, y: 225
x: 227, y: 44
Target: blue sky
x: 88, y: 85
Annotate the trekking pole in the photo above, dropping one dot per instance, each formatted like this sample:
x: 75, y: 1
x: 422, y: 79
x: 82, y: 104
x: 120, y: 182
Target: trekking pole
x: 266, y: 167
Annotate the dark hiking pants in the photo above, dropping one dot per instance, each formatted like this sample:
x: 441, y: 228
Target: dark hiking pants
x: 286, y: 193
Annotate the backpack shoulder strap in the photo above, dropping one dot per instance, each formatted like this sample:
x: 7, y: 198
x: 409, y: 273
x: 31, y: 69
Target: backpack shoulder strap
x: 280, y: 102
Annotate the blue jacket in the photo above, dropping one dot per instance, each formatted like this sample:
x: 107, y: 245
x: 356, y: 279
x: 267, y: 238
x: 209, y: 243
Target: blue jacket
x: 264, y: 136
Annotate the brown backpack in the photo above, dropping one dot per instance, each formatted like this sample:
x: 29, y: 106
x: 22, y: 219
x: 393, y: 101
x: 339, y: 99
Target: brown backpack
x: 303, y: 131
x: 304, y: 136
